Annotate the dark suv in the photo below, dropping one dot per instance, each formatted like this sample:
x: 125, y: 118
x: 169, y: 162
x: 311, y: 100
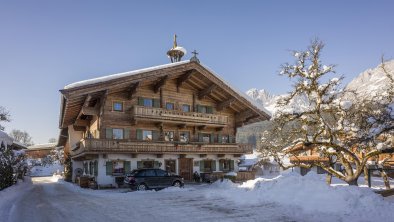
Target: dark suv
x: 144, y: 179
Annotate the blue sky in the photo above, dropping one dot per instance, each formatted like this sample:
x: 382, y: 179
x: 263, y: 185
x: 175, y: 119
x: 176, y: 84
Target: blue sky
x: 45, y: 45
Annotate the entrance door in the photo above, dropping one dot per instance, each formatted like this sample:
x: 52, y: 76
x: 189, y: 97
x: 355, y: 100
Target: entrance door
x: 186, y: 168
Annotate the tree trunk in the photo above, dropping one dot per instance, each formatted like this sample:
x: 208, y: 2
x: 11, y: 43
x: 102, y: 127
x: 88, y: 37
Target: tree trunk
x: 385, y: 179
x: 366, y: 175
x: 352, y: 182
x: 328, y: 178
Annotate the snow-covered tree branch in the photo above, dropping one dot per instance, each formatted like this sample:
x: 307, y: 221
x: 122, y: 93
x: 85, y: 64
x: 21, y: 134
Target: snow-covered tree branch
x: 339, y: 125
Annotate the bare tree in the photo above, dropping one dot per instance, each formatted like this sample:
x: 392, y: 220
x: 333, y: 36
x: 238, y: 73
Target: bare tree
x: 4, y: 116
x: 339, y: 125
x: 22, y: 137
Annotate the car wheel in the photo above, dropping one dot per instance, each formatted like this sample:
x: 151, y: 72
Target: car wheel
x: 142, y: 187
x: 177, y: 184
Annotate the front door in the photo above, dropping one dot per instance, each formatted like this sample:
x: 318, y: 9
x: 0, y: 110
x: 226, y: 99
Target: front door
x: 186, y: 168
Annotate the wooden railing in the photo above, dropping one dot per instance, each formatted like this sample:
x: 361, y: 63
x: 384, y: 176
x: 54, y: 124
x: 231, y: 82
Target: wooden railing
x: 125, y: 146
x: 179, y: 116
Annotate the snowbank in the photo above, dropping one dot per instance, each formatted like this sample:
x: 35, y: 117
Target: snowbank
x: 9, y: 195
x: 47, y: 170
x: 310, y: 194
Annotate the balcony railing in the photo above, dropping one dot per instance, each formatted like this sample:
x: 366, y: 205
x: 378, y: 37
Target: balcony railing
x: 179, y: 116
x: 94, y: 146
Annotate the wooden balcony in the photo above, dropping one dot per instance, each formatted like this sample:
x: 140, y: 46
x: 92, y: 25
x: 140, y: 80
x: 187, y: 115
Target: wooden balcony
x: 102, y: 146
x: 176, y: 116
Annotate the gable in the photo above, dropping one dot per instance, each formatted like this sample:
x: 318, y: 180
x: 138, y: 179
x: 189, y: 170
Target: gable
x: 187, y: 74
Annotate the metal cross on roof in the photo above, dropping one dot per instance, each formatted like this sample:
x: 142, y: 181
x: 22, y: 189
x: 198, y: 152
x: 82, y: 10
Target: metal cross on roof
x: 194, y: 57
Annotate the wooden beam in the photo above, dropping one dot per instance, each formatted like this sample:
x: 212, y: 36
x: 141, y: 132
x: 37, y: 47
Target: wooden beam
x: 206, y: 91
x: 225, y: 104
x: 79, y: 128
x: 82, y: 122
x: 85, y: 104
x: 133, y: 89
x: 243, y: 115
x: 91, y: 111
x: 183, y: 78
x: 160, y: 84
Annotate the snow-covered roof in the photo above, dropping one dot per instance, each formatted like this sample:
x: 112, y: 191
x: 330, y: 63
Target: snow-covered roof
x: 42, y: 146
x: 139, y: 71
x: 121, y: 75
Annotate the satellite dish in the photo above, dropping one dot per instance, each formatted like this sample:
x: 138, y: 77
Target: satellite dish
x: 78, y: 172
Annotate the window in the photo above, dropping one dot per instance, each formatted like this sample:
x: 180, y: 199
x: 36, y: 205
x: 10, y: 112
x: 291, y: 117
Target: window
x: 225, y: 139
x: 117, y: 106
x: 161, y: 173
x: 145, y: 164
x: 117, y: 133
x: 118, y: 167
x: 226, y: 165
x: 150, y: 173
x: 169, y: 136
x: 207, y: 166
x: 147, y: 135
x: 185, y: 108
x: 206, y: 138
x: 204, y: 109
x: 170, y: 106
x: 184, y: 137
x: 170, y: 165
x: 148, y: 102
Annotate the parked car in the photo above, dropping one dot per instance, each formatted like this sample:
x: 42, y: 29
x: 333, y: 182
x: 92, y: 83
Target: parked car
x: 144, y: 179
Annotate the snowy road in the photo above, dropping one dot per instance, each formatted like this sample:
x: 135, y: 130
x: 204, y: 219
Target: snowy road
x: 60, y: 201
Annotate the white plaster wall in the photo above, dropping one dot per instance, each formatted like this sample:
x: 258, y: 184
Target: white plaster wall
x: 74, y: 136
x: 103, y: 179
x: 76, y: 164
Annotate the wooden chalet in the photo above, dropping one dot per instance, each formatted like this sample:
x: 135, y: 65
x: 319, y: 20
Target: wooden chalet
x: 181, y: 117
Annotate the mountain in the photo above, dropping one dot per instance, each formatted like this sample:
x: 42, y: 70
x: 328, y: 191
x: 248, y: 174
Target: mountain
x: 367, y: 83
x: 263, y: 97
x: 372, y: 81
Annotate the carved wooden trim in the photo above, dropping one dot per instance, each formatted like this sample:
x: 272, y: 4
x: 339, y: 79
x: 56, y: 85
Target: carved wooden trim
x: 206, y: 91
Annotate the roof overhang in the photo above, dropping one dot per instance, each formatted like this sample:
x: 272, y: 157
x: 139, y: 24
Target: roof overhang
x: 74, y: 95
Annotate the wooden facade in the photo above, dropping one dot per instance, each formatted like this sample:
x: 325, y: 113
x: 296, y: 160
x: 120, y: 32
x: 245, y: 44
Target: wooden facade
x: 179, y: 109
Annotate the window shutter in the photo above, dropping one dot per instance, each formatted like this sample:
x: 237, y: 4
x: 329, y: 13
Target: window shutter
x: 140, y: 101
x: 139, y: 134
x: 201, y: 166
x: 219, y: 138
x: 126, y: 134
x: 108, y: 168
x: 231, y: 139
x: 231, y: 165
x: 156, y: 164
x: 212, y: 138
x: 156, y: 103
x: 213, y: 165
x: 96, y: 168
x: 155, y: 135
x: 127, y: 167
x: 199, y: 137
x: 139, y: 164
x: 221, y: 165
x: 108, y: 133
x: 209, y: 109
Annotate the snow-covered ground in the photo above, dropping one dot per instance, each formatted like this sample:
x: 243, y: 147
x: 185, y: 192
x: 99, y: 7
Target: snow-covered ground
x: 289, y: 197
x: 47, y: 170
